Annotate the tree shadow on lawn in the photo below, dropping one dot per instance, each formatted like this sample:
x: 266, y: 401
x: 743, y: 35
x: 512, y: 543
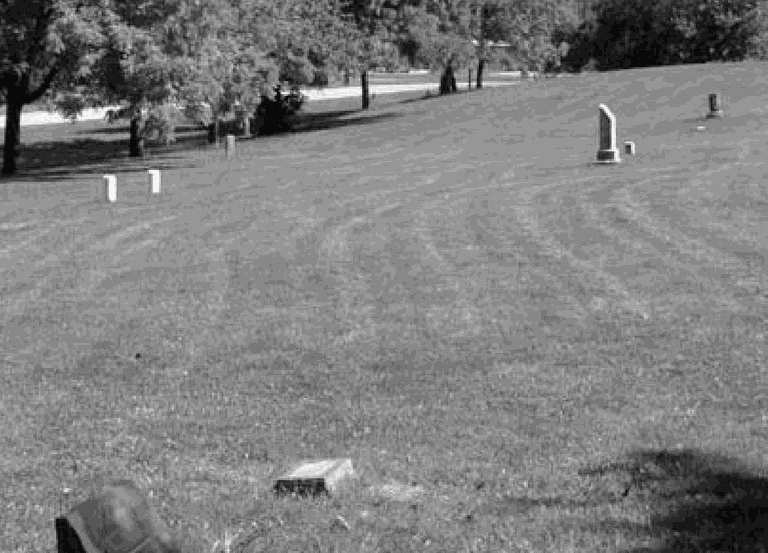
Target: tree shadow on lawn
x: 321, y: 121
x: 699, y: 501
x: 124, y: 129
x: 61, y: 159
x: 436, y: 95
x: 43, y: 160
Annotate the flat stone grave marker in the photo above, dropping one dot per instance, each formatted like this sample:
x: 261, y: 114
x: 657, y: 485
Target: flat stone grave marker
x: 315, y: 477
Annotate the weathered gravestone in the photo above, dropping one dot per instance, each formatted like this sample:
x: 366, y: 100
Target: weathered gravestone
x: 606, y: 136
x: 116, y: 519
x: 715, y: 110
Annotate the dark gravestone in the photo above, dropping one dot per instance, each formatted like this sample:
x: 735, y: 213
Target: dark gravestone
x: 118, y: 519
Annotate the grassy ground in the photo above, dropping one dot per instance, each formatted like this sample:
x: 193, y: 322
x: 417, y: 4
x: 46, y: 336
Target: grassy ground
x: 558, y: 356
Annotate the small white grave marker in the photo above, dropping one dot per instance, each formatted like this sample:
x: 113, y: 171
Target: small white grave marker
x: 110, y: 188
x: 315, y: 477
x: 230, y: 146
x: 606, y: 127
x: 154, y: 181
x: 629, y: 148
x: 715, y: 111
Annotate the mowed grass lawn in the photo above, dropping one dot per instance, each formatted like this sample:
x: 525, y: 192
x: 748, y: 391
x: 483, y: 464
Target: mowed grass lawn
x: 557, y: 356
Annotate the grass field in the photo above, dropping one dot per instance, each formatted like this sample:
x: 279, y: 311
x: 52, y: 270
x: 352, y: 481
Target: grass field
x: 557, y: 356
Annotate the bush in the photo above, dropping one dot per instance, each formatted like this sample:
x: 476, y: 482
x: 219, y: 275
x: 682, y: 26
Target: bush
x: 277, y: 114
x: 200, y: 113
x: 231, y: 126
x: 581, y: 48
x: 70, y: 106
x: 161, y: 122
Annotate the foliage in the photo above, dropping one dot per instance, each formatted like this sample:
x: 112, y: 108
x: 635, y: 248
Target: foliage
x: 221, y: 50
x: 277, y: 114
x: 70, y: 106
x: 45, y: 46
x: 639, y: 33
x: 580, y: 47
x: 161, y: 123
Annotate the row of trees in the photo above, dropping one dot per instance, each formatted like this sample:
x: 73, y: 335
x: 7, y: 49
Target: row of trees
x: 640, y: 33
x: 229, y: 54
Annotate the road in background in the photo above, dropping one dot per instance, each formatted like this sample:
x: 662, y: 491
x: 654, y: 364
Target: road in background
x: 328, y: 93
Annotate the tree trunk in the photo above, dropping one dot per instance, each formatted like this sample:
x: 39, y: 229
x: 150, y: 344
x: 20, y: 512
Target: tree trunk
x: 12, y: 134
x: 136, y: 145
x: 448, y: 80
x: 480, y: 67
x: 214, y: 129
x: 366, y: 96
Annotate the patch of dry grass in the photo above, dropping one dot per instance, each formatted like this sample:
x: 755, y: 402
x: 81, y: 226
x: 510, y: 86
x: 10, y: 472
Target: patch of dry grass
x: 563, y: 357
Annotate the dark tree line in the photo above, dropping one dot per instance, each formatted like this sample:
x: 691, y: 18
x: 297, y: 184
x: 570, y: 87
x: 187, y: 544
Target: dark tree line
x: 642, y: 33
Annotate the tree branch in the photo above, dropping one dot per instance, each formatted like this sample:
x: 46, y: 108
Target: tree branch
x: 37, y: 39
x: 44, y: 86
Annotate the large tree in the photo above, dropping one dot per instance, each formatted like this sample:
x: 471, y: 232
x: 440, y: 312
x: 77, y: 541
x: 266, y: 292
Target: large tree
x: 44, y: 45
x: 374, y: 35
x: 221, y: 48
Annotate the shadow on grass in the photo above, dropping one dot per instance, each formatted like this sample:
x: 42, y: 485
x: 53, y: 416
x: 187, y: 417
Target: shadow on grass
x: 308, y: 122
x: 421, y: 98
x: 436, y: 95
x: 698, y: 501
x: 124, y: 129
x: 60, y: 159
x: 691, y: 501
x: 83, y: 151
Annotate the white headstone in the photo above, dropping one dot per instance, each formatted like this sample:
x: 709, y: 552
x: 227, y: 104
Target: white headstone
x: 110, y: 188
x: 606, y: 129
x: 154, y: 181
x: 629, y: 148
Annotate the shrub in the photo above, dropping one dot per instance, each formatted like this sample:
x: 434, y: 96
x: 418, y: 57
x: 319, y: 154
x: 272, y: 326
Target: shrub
x: 70, y: 106
x: 200, y: 113
x: 229, y: 126
x: 161, y: 122
x: 278, y: 114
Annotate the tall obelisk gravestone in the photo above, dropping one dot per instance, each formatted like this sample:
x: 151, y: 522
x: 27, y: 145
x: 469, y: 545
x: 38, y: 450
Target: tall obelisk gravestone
x: 606, y: 127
